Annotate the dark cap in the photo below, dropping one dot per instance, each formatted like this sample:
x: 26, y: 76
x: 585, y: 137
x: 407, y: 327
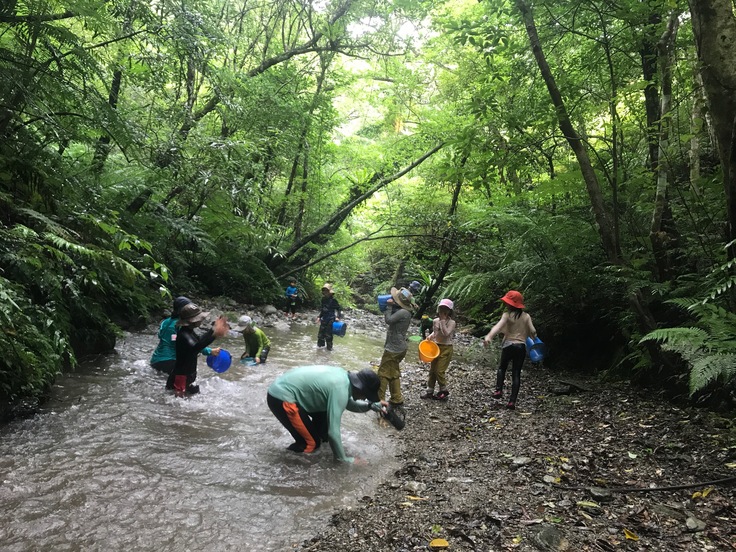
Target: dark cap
x: 179, y: 302
x: 367, y: 382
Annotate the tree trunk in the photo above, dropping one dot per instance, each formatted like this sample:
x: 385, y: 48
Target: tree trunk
x: 657, y: 233
x: 302, y: 149
x: 648, y: 54
x: 102, y: 148
x: 602, y: 218
x: 696, y: 127
x: 714, y: 27
x: 447, y: 241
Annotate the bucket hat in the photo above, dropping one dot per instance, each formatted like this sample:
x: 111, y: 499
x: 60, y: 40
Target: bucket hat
x: 367, y: 382
x: 514, y: 299
x: 191, y: 314
x: 446, y: 303
x: 402, y: 297
x: 328, y: 287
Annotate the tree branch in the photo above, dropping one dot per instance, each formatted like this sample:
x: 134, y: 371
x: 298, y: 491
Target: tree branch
x: 342, y: 213
x: 14, y: 19
x: 341, y: 249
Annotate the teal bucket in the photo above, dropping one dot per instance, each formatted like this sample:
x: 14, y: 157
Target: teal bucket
x: 383, y: 301
x: 339, y: 328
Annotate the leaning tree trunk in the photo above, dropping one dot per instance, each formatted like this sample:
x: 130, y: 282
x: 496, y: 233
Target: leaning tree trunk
x: 714, y: 27
x: 602, y: 218
x: 447, y: 244
x: 608, y: 238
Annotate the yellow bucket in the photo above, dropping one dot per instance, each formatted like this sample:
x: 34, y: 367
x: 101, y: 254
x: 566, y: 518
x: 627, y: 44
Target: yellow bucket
x: 428, y: 351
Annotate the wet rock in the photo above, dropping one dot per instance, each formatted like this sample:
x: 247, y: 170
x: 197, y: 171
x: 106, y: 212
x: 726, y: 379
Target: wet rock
x: 669, y: 512
x: 415, y: 486
x: 601, y: 494
x: 520, y: 461
x: 549, y: 538
x: 694, y: 525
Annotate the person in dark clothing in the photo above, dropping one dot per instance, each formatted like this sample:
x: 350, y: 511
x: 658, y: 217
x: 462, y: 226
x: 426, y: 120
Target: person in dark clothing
x: 164, y: 357
x: 330, y: 311
x: 188, y: 346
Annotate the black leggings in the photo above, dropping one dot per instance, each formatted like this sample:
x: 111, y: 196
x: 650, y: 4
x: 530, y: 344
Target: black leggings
x: 515, y: 354
x: 324, y: 336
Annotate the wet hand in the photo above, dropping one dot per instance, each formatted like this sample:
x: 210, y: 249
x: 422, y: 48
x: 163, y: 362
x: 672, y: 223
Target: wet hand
x: 215, y: 351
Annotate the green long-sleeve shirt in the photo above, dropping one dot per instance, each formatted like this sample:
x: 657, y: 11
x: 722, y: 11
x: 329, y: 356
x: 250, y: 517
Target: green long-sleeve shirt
x: 255, y: 341
x: 320, y: 389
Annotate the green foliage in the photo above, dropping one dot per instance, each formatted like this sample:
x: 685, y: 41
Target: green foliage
x: 34, y: 346
x: 709, y: 346
x: 197, y: 147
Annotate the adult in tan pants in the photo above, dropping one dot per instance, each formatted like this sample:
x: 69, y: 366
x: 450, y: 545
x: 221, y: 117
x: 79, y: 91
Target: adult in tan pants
x: 398, y: 318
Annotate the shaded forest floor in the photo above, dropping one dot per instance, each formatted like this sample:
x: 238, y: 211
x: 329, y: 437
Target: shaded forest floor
x: 485, y: 478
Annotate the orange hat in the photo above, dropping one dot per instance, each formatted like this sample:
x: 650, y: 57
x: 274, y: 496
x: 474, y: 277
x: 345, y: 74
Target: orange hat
x: 514, y: 299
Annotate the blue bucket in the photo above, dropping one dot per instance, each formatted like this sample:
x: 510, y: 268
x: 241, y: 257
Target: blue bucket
x: 221, y: 362
x: 383, y: 301
x: 537, y: 350
x: 338, y: 328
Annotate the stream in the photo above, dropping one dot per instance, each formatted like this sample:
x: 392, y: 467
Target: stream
x: 114, y: 462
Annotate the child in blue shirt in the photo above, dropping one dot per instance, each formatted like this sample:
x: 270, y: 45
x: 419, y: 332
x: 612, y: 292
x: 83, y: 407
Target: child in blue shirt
x: 292, y: 294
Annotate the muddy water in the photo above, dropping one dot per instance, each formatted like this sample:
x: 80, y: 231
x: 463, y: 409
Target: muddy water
x: 114, y: 462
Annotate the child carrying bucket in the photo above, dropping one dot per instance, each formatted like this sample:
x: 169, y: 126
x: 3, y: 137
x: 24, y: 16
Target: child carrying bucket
x: 516, y: 326
x: 443, y: 333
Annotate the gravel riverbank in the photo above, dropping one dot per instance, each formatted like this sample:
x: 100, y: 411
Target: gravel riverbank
x: 551, y: 475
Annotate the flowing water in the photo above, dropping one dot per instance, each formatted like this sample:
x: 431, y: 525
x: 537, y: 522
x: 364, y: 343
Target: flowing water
x: 113, y: 462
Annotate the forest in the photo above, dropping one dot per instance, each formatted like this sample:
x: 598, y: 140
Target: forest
x: 581, y: 152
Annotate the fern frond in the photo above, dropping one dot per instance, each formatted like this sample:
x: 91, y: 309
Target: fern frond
x: 65, y: 245
x: 678, y: 338
x: 46, y: 223
x: 685, y: 303
x: 710, y: 368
